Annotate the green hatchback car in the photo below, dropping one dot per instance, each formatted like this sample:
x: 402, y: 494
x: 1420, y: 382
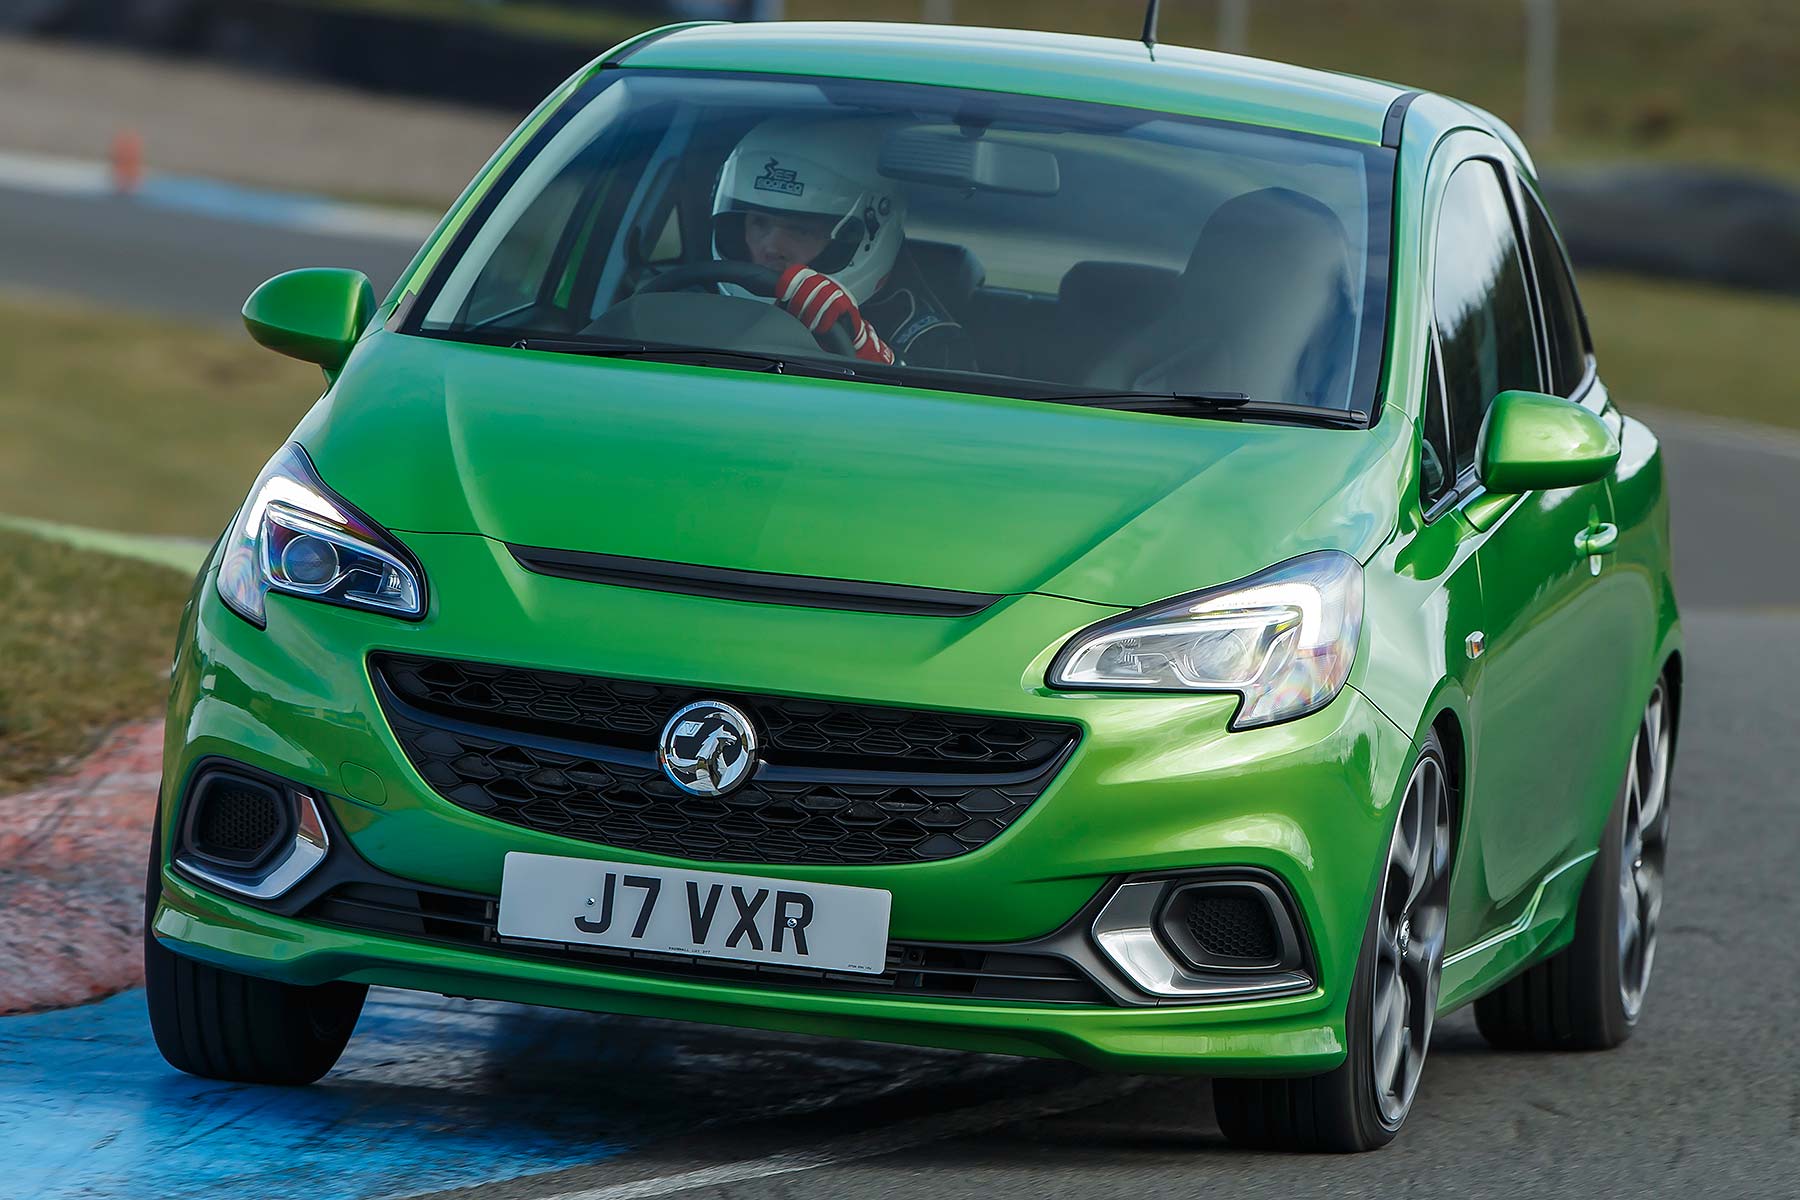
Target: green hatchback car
x: 1024, y: 543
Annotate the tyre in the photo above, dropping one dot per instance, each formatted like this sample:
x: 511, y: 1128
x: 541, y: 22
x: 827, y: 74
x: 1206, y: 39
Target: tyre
x: 224, y: 1025
x: 1589, y: 994
x: 1393, y: 1000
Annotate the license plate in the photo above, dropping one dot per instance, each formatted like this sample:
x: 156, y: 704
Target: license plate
x: 630, y: 906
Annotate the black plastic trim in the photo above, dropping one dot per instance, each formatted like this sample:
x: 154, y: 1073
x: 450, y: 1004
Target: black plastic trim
x: 186, y: 838
x: 757, y: 587
x: 1396, y: 119
x: 402, y: 310
x: 1290, y: 949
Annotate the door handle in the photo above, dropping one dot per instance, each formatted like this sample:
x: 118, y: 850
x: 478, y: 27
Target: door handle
x: 1600, y: 539
x: 1597, y: 539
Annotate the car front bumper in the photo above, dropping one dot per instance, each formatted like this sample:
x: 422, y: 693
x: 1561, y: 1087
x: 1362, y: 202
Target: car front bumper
x: 1157, y: 784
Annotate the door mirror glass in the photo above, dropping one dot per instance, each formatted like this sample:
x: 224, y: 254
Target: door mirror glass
x: 1533, y: 442
x: 314, y: 314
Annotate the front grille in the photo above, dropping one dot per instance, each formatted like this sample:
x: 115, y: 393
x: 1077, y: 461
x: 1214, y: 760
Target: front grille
x: 1233, y: 924
x: 913, y: 968
x: 575, y: 755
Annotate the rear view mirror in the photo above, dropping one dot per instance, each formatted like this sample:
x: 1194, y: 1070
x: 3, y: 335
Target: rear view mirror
x: 946, y: 156
x: 313, y: 314
x: 1533, y: 442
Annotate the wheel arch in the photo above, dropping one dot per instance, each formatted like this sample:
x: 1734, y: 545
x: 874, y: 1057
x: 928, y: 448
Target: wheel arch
x: 1673, y: 668
x: 1448, y: 726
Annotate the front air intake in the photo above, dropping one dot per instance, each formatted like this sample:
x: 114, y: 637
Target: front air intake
x: 248, y: 833
x: 1233, y: 925
x: 236, y: 821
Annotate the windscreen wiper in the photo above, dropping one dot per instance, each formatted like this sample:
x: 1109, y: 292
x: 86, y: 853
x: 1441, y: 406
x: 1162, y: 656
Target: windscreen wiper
x: 1232, y: 406
x: 704, y: 356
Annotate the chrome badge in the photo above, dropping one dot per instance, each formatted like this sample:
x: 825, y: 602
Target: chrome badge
x: 708, y: 748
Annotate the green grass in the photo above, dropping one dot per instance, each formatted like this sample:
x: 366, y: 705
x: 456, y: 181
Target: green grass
x: 123, y: 422
x: 86, y: 639
x: 1685, y: 347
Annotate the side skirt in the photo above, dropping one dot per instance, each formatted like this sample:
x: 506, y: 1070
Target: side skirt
x: 1545, y: 927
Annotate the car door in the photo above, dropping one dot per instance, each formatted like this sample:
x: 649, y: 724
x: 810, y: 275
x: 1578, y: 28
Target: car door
x: 1548, y: 671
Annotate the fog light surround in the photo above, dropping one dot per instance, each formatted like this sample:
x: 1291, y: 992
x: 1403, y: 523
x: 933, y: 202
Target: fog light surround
x: 1143, y: 930
x: 296, y: 848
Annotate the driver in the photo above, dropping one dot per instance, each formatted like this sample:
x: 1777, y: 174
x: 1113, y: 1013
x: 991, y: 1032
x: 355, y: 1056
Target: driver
x: 803, y: 197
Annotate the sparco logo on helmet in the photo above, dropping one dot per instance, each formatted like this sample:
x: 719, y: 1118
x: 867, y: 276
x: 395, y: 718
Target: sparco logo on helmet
x: 708, y: 748
x: 776, y: 178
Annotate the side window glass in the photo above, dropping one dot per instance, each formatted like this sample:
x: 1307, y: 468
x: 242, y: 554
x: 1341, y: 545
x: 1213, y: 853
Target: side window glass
x: 1562, y: 311
x: 668, y: 243
x: 513, y: 274
x: 1480, y: 299
x: 1435, y: 478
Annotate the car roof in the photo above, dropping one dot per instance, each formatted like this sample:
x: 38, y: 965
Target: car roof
x: 1064, y: 66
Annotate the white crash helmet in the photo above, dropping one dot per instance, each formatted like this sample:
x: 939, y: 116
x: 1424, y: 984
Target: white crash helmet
x: 821, y: 168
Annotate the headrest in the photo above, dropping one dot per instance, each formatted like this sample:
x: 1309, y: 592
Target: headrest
x: 951, y: 271
x: 1275, y: 233
x: 1100, y: 286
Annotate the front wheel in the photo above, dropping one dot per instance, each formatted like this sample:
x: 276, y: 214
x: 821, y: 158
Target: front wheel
x: 221, y: 1024
x: 1393, y: 1000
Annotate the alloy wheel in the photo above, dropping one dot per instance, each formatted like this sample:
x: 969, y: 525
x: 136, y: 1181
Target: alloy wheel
x: 1409, y: 940
x: 1644, y: 836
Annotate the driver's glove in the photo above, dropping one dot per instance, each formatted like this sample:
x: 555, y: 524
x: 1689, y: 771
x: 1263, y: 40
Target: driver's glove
x: 818, y: 302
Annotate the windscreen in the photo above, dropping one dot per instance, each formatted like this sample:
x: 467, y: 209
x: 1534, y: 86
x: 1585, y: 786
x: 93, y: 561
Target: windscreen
x: 954, y: 239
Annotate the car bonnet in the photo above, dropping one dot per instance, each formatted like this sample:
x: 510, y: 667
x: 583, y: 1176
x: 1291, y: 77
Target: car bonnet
x: 834, y: 480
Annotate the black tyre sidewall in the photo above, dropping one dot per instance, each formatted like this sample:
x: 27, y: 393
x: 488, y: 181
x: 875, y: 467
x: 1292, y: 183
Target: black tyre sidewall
x: 1598, y: 999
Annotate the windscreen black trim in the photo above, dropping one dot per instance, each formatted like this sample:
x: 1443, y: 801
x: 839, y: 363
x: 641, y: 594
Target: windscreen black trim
x: 1395, y: 119
x: 758, y: 587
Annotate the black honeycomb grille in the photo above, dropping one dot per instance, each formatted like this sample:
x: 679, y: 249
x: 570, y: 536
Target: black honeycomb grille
x: 237, y: 821
x: 844, y: 784
x: 1233, y: 925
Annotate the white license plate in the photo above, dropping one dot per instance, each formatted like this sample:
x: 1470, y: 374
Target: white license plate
x: 676, y: 911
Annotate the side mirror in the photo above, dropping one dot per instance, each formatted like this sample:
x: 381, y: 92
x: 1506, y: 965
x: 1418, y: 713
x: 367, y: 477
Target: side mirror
x: 313, y: 314
x: 1533, y: 442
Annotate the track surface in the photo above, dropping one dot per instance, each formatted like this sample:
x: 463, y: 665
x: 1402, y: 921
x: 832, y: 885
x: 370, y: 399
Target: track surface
x: 520, y: 1103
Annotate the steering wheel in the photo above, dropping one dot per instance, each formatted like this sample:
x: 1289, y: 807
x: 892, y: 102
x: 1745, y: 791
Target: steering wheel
x: 758, y: 280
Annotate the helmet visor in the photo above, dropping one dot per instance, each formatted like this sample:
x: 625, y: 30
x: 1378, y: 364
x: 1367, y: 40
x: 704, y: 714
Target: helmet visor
x: 836, y: 235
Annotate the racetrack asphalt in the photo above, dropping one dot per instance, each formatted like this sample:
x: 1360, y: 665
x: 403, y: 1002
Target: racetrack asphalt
x: 519, y: 1104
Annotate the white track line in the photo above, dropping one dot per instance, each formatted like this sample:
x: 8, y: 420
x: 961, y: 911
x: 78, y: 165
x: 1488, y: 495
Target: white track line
x: 855, y: 1147
x: 312, y: 214
x: 57, y: 176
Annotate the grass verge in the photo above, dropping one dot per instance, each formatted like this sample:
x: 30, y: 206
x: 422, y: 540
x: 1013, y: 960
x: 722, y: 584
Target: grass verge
x: 85, y: 638
x: 1691, y: 348
x: 119, y: 421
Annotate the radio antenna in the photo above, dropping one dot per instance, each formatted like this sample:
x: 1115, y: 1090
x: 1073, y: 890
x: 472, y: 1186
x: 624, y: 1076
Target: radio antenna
x: 1149, y: 37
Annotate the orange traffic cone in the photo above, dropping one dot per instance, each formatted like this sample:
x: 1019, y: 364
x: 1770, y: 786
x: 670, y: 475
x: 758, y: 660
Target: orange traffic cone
x: 127, y: 161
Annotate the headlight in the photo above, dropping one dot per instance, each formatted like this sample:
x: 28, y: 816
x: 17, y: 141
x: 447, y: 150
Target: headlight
x: 295, y: 535
x: 1283, y: 639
